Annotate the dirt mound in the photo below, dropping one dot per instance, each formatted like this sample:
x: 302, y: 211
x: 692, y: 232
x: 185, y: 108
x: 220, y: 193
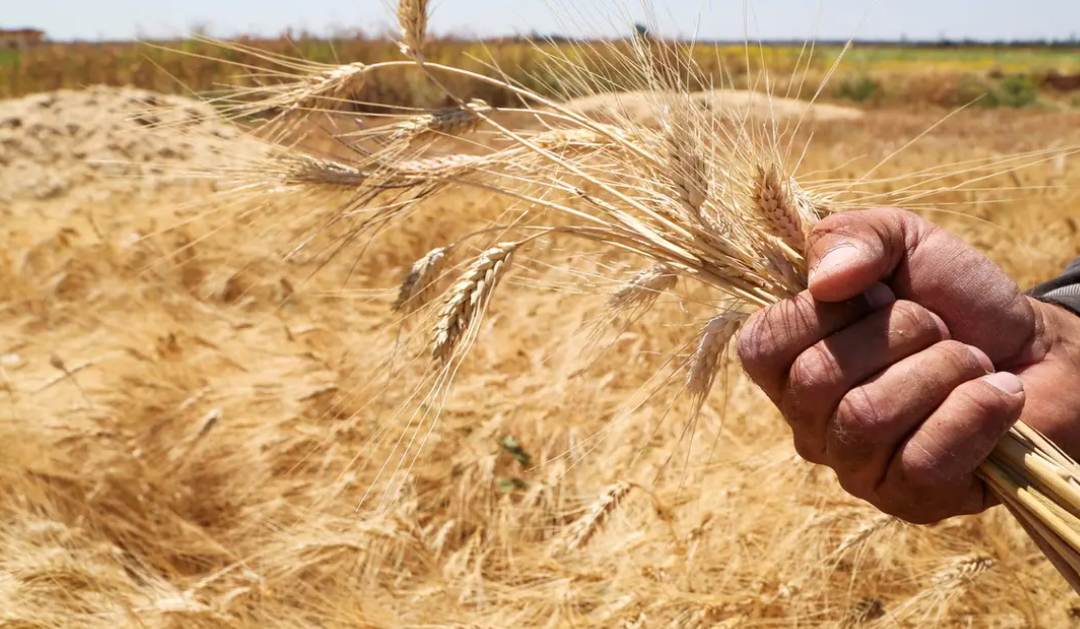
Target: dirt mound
x: 51, y: 143
x: 641, y: 107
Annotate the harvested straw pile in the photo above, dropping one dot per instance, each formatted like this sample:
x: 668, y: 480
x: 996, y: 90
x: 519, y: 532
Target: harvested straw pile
x: 51, y: 144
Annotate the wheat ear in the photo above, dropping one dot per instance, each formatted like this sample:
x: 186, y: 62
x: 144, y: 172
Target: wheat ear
x: 779, y: 208
x: 468, y: 296
x: 712, y: 341
x: 687, y: 167
x: 328, y: 84
x: 582, y: 530
x: 413, y: 20
x: 962, y: 572
x: 865, y: 531
x: 642, y: 291
x: 451, y: 121
x: 417, y: 287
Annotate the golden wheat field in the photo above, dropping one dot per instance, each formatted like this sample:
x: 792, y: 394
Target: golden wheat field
x: 202, y: 424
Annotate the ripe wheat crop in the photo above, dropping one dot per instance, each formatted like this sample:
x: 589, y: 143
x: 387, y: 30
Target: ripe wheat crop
x: 681, y: 226
x: 696, y: 199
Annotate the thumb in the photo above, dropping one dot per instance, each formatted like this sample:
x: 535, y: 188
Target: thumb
x: 849, y: 252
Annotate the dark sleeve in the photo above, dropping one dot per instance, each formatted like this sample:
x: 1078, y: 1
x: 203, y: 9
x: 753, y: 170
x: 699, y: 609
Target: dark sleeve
x: 1063, y: 291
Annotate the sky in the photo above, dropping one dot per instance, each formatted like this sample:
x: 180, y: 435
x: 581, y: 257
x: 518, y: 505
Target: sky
x: 710, y: 19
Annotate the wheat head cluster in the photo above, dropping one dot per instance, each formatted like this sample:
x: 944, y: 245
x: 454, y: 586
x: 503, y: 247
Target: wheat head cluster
x: 353, y: 387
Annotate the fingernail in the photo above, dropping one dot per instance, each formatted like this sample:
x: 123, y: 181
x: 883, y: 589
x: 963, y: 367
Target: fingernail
x: 879, y: 296
x: 1006, y: 382
x: 983, y: 359
x: 835, y: 258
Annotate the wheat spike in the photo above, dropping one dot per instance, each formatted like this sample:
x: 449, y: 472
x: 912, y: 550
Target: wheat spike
x: 307, y: 170
x: 309, y: 90
x: 416, y: 289
x: 687, y: 167
x: 779, y: 208
x: 451, y: 121
x: 331, y: 84
x: 301, y: 170
x: 413, y: 20
x: 866, y: 530
x: 468, y: 296
x: 642, y: 291
x: 582, y: 530
x: 962, y: 572
x: 705, y: 362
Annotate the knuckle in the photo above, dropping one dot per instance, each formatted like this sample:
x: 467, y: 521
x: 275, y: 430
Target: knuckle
x: 924, y: 473
x: 857, y: 418
x: 807, y: 449
x: 815, y: 371
x: 911, y: 507
x: 755, y: 345
x: 980, y: 401
x: 854, y: 487
x: 958, y: 356
x: 909, y: 318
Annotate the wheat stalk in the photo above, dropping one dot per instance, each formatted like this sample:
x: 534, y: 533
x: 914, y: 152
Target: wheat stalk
x: 945, y: 587
x: 468, y: 296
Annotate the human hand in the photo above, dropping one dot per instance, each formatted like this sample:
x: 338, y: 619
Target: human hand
x: 908, y: 359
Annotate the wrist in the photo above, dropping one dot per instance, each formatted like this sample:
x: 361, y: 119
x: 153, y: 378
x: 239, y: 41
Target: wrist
x: 1057, y: 332
x: 1051, y: 375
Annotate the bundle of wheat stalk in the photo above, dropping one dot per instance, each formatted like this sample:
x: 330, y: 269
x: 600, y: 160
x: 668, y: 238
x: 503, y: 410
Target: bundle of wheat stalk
x: 696, y: 199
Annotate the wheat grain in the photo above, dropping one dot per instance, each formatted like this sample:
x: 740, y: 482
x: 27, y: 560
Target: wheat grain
x: 642, y: 291
x: 711, y: 343
x: 778, y: 207
x: 468, y: 296
x: 417, y: 286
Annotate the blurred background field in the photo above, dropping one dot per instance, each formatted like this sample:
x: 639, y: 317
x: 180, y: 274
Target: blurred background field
x: 872, y: 74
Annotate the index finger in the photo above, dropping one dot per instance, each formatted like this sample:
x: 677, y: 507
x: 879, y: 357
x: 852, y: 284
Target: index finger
x: 773, y: 338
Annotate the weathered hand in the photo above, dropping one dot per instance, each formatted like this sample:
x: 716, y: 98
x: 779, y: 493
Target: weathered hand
x: 906, y: 361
